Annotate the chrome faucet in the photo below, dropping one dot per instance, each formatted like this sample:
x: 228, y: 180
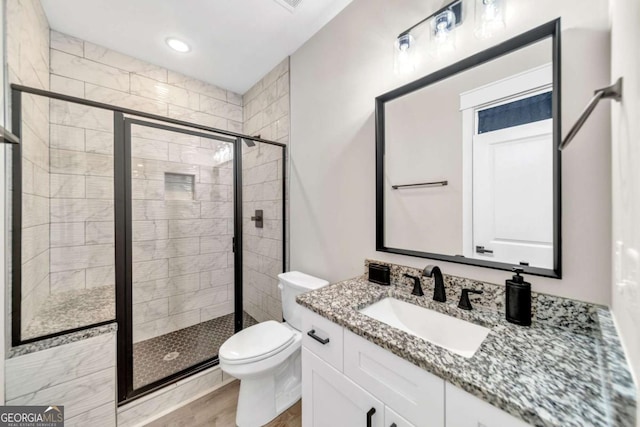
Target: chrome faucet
x: 434, y: 271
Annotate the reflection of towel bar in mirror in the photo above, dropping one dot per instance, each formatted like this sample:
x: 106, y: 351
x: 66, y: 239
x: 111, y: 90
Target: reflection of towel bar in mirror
x: 610, y: 92
x: 422, y: 184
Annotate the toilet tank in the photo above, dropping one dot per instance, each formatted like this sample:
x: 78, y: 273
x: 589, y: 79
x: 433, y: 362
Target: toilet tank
x: 292, y: 284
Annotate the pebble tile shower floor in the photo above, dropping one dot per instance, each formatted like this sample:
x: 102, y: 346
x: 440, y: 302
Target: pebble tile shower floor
x: 159, y: 357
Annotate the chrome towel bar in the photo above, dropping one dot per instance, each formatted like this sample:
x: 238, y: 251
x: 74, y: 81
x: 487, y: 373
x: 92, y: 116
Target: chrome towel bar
x: 610, y: 92
x: 422, y: 184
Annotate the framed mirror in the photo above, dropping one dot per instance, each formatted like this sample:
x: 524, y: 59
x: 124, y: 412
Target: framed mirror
x: 467, y: 165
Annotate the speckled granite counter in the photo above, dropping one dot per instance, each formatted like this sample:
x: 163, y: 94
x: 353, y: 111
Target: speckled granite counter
x: 61, y: 340
x: 574, y: 375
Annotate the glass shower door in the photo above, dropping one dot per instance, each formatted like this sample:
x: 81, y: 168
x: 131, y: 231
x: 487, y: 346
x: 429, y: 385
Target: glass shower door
x: 182, y: 258
x: 263, y: 227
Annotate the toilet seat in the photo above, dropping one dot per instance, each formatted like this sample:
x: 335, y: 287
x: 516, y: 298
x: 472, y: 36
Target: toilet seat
x: 256, y: 343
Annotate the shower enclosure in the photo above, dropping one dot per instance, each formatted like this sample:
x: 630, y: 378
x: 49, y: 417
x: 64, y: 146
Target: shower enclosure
x: 175, y: 230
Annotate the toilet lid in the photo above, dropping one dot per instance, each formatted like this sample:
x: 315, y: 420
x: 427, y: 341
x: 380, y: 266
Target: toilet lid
x: 256, y: 341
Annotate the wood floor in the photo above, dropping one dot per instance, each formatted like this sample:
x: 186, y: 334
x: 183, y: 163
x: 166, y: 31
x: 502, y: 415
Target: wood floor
x: 218, y: 409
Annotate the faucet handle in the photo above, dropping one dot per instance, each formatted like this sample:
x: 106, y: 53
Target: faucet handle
x: 464, y: 303
x: 417, y: 285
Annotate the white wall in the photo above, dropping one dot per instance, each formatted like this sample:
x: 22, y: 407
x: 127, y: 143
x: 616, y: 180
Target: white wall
x: 625, y: 58
x: 337, y: 74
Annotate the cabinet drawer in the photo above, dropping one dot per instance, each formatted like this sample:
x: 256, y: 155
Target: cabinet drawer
x: 392, y: 419
x: 466, y: 410
x: 327, y: 344
x: 402, y: 386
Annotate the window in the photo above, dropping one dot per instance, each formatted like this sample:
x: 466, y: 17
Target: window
x: 528, y: 110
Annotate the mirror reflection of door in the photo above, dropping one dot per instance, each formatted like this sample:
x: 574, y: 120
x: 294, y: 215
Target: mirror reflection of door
x: 508, y: 141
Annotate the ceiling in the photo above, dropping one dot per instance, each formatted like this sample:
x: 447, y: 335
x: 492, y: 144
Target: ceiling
x: 234, y: 43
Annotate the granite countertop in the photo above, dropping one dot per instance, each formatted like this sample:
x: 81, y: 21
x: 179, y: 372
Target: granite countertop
x: 545, y: 375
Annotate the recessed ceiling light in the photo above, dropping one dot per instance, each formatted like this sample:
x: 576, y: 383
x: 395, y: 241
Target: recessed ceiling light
x: 178, y: 45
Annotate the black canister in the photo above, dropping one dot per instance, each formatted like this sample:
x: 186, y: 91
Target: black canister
x: 518, y: 296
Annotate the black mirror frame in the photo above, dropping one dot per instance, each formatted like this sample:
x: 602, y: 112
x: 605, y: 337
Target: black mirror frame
x: 550, y: 29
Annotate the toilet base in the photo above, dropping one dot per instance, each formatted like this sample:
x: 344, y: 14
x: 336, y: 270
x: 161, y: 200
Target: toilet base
x: 264, y: 397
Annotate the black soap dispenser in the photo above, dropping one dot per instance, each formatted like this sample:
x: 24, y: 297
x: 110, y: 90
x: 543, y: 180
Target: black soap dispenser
x: 518, y: 295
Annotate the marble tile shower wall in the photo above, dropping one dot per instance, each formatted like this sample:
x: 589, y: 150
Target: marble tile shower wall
x: 182, y: 248
x: 28, y: 64
x: 81, y: 213
x: 83, y: 69
x: 173, y: 273
x: 266, y: 113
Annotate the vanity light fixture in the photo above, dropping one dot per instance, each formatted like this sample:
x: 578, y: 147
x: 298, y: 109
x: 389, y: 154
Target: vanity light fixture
x: 489, y: 17
x: 404, y: 59
x: 442, y: 35
x: 178, y: 45
x: 442, y: 24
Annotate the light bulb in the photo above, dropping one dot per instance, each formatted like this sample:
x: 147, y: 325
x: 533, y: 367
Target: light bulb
x: 404, y: 42
x: 489, y: 17
x: 443, y: 37
x: 404, y: 54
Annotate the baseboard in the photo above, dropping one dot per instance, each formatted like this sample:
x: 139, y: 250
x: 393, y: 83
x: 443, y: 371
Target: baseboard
x: 174, y: 396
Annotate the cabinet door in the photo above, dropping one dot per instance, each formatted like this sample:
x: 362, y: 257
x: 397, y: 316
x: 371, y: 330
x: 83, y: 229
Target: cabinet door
x: 329, y: 399
x: 413, y: 392
x: 466, y: 410
x: 392, y: 419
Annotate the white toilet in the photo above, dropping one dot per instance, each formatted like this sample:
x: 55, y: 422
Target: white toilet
x: 266, y: 357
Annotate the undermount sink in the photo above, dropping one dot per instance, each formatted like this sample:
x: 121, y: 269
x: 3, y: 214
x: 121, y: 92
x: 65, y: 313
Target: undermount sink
x: 456, y: 335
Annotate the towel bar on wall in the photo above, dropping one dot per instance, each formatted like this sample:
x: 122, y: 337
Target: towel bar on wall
x: 610, y: 92
x: 7, y: 137
x: 422, y: 184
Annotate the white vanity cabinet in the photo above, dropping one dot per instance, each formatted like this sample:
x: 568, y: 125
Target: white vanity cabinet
x: 408, y: 390
x: 329, y: 399
x: 348, y: 381
x: 466, y: 410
